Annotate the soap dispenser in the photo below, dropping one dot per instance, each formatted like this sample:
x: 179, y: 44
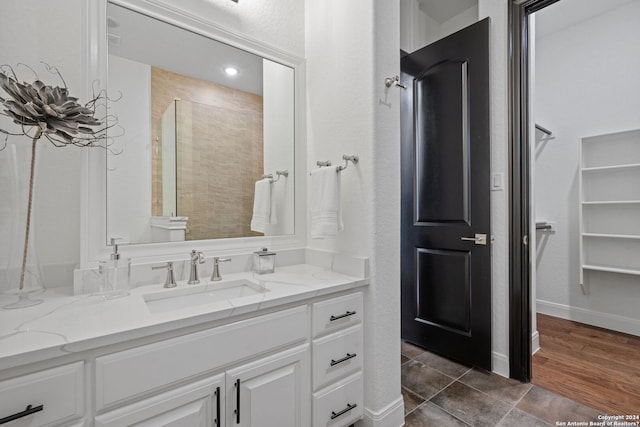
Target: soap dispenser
x: 264, y: 261
x: 115, y: 275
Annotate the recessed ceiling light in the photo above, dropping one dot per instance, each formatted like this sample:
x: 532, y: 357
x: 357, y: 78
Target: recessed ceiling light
x: 231, y: 71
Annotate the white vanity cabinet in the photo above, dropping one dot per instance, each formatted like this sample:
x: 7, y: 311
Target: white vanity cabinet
x: 273, y: 391
x: 127, y: 375
x: 196, y: 404
x: 337, y: 361
x: 296, y: 366
x: 44, y: 398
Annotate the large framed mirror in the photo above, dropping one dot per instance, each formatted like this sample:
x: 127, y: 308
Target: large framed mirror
x: 201, y: 123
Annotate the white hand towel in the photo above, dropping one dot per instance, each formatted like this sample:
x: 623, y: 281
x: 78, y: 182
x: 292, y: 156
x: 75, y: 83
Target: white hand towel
x: 326, y: 215
x: 264, y: 208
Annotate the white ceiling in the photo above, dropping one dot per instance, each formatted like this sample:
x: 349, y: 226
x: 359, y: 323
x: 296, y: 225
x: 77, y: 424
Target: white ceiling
x: 566, y: 13
x: 156, y: 43
x: 443, y: 10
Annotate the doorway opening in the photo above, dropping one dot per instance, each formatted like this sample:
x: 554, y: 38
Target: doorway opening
x: 575, y: 168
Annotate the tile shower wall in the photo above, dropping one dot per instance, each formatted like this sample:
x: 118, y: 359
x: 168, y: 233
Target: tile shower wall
x: 220, y: 153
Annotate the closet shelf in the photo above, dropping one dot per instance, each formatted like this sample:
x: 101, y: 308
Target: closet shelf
x: 611, y: 269
x: 613, y: 168
x: 612, y: 202
x: 610, y: 169
x: 613, y: 236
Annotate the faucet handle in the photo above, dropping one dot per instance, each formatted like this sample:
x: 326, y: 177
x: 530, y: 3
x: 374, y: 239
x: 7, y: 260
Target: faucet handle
x: 197, y: 257
x: 215, y: 275
x: 170, y: 281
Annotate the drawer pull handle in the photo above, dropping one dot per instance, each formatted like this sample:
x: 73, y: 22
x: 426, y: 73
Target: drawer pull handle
x: 342, y: 316
x: 349, y: 407
x: 344, y: 359
x: 30, y: 410
x: 217, y: 420
x: 237, y: 411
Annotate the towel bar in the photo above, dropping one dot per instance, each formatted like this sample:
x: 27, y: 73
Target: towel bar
x: 284, y: 173
x: 353, y: 159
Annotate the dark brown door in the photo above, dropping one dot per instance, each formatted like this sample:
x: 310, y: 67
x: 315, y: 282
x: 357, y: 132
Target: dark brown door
x: 446, y: 237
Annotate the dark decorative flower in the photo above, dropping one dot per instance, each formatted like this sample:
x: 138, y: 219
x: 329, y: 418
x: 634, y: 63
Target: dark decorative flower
x: 53, y: 114
x: 58, y: 116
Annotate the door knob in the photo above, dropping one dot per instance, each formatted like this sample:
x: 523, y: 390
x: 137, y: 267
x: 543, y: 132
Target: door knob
x: 479, y: 239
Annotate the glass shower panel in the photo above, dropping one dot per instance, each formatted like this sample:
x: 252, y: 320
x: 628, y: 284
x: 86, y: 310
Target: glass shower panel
x: 169, y: 203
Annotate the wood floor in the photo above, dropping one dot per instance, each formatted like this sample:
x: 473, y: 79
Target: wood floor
x: 593, y: 366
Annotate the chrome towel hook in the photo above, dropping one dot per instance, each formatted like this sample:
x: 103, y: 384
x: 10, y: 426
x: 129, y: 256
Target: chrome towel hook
x: 393, y: 81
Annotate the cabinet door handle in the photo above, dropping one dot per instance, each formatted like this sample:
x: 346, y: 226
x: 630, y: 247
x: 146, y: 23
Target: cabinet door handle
x: 237, y: 411
x: 342, y: 316
x: 344, y: 359
x: 349, y: 407
x: 217, y: 420
x: 30, y: 410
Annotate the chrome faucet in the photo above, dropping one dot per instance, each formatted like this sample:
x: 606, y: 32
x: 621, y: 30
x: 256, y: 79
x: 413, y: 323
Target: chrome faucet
x: 215, y: 276
x: 196, y: 258
x: 170, y: 281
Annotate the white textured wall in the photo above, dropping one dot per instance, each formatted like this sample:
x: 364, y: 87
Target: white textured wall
x: 129, y: 173
x: 498, y: 36
x: 587, y: 83
x: 351, y: 47
x: 30, y: 32
x: 458, y: 22
x: 417, y: 29
x: 279, y: 141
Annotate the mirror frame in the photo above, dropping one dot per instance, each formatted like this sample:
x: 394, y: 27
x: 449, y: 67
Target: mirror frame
x: 93, y: 230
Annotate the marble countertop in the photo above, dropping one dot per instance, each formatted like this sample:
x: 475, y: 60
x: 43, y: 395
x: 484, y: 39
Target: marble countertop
x: 65, y: 324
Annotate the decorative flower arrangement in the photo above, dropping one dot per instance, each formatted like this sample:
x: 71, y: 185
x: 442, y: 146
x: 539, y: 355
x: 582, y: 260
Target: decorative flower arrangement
x: 41, y: 110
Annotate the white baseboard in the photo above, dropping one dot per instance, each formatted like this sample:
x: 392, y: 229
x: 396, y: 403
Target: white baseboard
x: 614, y: 322
x: 535, y: 342
x: 500, y: 364
x: 390, y: 416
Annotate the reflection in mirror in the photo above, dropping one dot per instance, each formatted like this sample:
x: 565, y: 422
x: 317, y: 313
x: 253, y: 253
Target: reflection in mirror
x: 197, y: 139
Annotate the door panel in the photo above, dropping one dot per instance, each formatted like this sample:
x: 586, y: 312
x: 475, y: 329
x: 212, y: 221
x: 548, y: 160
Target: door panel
x: 442, y: 94
x: 446, y: 280
x: 445, y: 305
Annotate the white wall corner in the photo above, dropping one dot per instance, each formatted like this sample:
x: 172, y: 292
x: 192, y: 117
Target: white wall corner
x: 535, y: 342
x: 391, y: 415
x: 500, y: 364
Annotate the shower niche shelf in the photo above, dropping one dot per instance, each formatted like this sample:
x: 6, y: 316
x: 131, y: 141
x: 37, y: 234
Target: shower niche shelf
x: 610, y: 204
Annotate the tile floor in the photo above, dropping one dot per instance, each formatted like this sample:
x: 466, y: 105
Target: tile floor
x: 438, y: 392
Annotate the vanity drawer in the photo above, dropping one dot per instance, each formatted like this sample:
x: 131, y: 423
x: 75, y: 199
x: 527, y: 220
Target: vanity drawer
x: 133, y: 372
x: 340, y: 405
x: 60, y: 392
x: 337, y: 313
x: 336, y: 356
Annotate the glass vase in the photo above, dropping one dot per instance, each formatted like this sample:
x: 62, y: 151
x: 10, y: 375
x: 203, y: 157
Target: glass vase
x: 22, y: 277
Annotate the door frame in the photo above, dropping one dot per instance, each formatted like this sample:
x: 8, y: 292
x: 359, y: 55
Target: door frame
x: 519, y: 187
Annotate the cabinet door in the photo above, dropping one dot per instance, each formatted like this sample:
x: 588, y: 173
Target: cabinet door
x: 273, y: 391
x: 197, y: 404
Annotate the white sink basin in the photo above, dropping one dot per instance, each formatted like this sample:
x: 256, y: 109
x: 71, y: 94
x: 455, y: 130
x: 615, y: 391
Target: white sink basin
x: 188, y: 297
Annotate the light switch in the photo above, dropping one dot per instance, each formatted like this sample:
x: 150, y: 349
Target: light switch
x: 497, y: 181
